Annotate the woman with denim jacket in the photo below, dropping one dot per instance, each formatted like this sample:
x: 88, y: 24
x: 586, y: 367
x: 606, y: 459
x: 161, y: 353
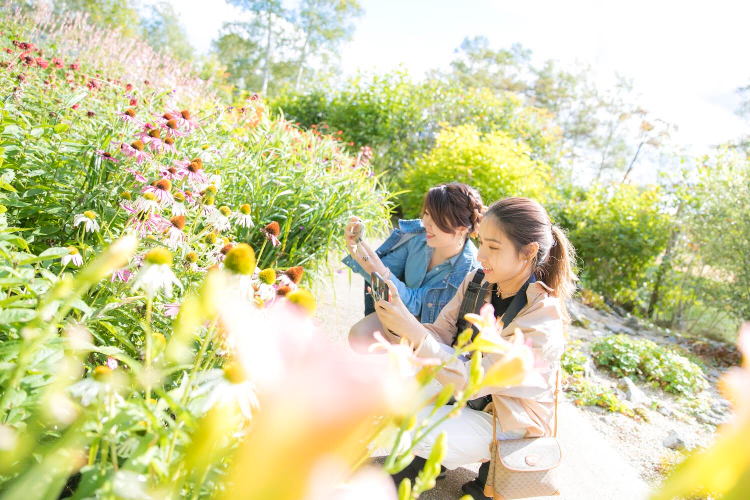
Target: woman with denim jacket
x: 426, y: 259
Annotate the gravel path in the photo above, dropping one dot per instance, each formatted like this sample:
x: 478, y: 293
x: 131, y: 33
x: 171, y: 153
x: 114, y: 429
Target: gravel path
x: 591, y: 468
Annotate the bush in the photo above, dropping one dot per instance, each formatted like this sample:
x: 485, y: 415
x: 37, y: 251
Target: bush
x: 618, y: 231
x: 400, y: 119
x: 585, y: 393
x: 644, y: 359
x: 574, y: 360
x: 492, y: 162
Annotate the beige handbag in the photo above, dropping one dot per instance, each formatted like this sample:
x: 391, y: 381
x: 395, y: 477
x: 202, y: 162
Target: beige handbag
x: 522, y: 468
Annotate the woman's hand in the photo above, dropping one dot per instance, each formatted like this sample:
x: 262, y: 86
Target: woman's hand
x: 396, y: 317
x: 360, y: 250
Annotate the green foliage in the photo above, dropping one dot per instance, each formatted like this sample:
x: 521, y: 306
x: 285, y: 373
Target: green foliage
x: 493, y: 162
x: 400, y: 119
x: 586, y: 393
x: 573, y: 359
x: 161, y: 28
x: 618, y: 231
x: 645, y: 360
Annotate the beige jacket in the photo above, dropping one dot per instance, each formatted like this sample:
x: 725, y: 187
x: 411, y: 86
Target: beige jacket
x: 529, y: 407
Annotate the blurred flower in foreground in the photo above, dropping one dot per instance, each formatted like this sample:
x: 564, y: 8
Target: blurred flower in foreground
x: 402, y: 355
x: 316, y: 402
x: 723, y: 469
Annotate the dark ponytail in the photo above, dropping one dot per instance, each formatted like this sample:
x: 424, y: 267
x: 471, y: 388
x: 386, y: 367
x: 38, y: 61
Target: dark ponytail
x: 525, y: 221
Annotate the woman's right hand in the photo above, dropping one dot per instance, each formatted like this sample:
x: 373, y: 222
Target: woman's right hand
x: 353, y: 233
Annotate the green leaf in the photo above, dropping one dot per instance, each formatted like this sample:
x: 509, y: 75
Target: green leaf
x: 49, y: 254
x: 61, y: 127
x: 76, y: 99
x: 9, y: 316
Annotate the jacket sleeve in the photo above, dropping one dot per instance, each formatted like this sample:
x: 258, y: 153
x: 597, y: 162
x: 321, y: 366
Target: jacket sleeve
x: 541, y: 323
x: 394, y: 260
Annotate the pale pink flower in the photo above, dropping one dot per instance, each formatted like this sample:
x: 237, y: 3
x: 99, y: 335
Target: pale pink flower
x: 402, y: 354
x: 161, y: 190
x: 171, y: 309
x: 137, y: 175
x: 135, y: 150
x: 122, y: 275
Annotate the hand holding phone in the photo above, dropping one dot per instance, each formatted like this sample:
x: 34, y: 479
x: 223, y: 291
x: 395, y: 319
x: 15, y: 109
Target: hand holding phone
x: 379, y: 288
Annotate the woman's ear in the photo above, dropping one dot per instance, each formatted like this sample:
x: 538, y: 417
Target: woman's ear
x: 532, y: 249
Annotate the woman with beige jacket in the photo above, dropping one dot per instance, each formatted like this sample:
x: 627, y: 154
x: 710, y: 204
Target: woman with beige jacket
x: 521, y: 252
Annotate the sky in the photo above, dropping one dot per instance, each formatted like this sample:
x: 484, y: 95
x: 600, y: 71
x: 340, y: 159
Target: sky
x: 686, y: 59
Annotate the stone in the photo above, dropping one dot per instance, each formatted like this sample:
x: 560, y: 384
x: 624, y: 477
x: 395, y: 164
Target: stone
x: 616, y: 328
x: 632, y: 392
x: 708, y: 419
x: 597, y: 409
x: 665, y: 410
x: 633, y: 322
x: 674, y: 441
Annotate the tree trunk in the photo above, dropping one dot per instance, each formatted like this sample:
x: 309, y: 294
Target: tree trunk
x: 605, y: 151
x: 302, y: 57
x: 663, y: 267
x: 267, y: 63
x: 632, y: 162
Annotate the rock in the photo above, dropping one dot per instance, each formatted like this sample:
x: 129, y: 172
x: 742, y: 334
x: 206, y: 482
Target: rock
x: 597, y: 409
x: 674, y: 441
x: 714, y: 373
x: 705, y: 418
x: 633, y: 322
x: 597, y: 333
x: 665, y: 410
x: 632, y: 392
x: 616, y: 328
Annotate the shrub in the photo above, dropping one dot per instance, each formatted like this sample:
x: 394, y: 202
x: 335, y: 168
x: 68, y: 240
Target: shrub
x: 644, y: 359
x: 586, y: 393
x: 618, y: 231
x: 492, y: 162
x: 401, y: 119
x: 574, y: 359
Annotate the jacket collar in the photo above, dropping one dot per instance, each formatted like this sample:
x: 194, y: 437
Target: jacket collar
x: 411, y: 226
x: 464, y: 264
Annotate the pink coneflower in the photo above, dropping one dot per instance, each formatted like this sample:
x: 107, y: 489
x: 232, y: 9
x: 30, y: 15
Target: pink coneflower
x: 129, y: 116
x: 161, y: 189
x: 42, y: 63
x: 128, y: 87
x: 272, y: 232
x: 171, y: 173
x: 167, y: 145
x: 122, y: 275
x: 106, y: 156
x: 138, y: 176
x: 174, y: 234
x: 171, y: 128
x: 185, y: 119
x: 75, y: 66
x: 223, y: 251
x: 171, y: 309
x: 194, y: 173
x: 57, y: 63
x: 135, y: 149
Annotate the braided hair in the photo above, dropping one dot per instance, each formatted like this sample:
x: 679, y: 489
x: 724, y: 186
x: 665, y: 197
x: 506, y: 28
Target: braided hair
x: 453, y: 206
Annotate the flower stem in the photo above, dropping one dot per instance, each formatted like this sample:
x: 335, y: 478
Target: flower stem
x: 149, y: 307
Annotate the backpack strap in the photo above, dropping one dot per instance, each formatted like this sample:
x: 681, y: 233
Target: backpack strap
x: 518, y: 302
x: 472, y: 302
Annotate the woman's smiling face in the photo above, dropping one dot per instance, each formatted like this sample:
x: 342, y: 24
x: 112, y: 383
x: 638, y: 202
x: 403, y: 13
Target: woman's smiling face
x: 497, y: 254
x: 436, y: 237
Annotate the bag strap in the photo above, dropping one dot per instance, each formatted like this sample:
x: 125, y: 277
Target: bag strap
x: 472, y: 302
x: 494, y: 417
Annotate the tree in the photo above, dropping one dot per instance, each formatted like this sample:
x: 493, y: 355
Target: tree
x: 267, y: 14
x: 122, y: 14
x: 324, y: 25
x: 479, y: 66
x: 163, y: 31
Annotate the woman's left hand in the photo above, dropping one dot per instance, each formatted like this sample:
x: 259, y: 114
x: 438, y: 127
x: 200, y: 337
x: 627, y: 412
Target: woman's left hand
x: 396, y: 317
x: 367, y: 258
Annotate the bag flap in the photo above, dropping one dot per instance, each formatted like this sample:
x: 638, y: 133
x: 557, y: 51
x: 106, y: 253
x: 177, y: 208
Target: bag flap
x: 530, y: 454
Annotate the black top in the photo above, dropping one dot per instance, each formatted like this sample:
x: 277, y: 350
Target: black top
x: 501, y: 305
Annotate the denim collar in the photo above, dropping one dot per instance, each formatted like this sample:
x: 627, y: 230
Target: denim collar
x: 412, y: 226
x: 465, y: 262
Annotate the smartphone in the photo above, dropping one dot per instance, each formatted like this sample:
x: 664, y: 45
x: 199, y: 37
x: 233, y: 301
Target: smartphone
x: 378, y: 287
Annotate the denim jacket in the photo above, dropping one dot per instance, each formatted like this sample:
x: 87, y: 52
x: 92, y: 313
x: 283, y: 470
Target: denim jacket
x: 426, y: 300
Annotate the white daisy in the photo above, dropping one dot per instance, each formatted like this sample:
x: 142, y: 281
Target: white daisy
x: 228, y: 386
x: 147, y: 203
x: 88, y: 219
x: 73, y: 257
x: 242, y: 216
x: 219, y: 219
x: 93, y: 388
x: 156, y: 274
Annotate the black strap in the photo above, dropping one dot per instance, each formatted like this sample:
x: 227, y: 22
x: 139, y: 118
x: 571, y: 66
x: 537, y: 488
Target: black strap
x: 518, y: 303
x: 472, y: 302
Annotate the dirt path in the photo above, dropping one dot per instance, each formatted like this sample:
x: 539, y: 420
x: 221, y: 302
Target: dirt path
x: 591, y: 468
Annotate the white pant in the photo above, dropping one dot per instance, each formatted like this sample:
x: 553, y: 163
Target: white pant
x: 468, y: 435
